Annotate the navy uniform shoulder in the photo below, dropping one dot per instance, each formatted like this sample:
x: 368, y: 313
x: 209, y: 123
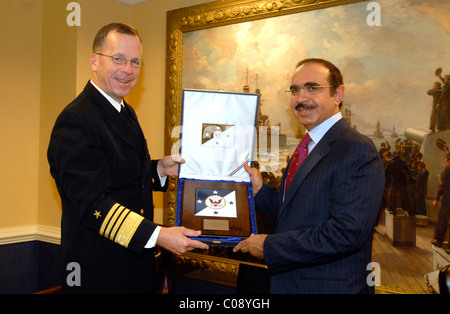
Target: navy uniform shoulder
x: 82, y: 108
x: 83, y: 104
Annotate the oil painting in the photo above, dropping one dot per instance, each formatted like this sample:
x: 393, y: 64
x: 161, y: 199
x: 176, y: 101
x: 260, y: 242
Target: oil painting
x: 388, y: 67
x: 392, y: 54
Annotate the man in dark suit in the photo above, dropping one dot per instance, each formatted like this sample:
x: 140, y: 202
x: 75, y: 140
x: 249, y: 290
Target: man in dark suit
x: 325, y: 219
x: 99, y: 159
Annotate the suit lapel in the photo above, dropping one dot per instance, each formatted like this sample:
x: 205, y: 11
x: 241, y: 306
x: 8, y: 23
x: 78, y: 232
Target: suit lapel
x: 132, y: 135
x: 322, y: 149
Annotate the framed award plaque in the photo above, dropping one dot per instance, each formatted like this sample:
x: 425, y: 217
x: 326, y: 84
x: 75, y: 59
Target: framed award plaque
x: 214, y: 190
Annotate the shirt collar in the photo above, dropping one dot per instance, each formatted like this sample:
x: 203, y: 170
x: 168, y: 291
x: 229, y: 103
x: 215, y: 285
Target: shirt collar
x: 319, y: 131
x: 113, y: 102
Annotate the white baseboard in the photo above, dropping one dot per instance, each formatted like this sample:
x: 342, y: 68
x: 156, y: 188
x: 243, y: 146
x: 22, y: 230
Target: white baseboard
x: 30, y: 233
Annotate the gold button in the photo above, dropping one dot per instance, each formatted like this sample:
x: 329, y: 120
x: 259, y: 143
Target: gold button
x: 142, y: 212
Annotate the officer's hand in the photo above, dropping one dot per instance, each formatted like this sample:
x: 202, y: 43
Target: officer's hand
x: 175, y: 240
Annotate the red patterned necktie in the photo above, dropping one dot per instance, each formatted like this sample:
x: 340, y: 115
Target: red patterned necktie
x: 297, y: 159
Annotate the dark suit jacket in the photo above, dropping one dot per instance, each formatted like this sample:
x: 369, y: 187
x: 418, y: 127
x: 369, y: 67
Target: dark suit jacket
x: 324, y: 229
x: 103, y: 172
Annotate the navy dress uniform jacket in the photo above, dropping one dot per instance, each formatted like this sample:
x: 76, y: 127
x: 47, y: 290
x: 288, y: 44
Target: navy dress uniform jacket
x: 105, y: 178
x: 324, y: 227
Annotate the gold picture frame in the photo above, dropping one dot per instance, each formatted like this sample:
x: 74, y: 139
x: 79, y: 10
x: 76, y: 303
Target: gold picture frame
x: 211, y: 267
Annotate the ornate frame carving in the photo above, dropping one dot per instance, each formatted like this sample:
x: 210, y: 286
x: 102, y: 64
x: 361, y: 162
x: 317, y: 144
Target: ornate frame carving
x: 213, y: 14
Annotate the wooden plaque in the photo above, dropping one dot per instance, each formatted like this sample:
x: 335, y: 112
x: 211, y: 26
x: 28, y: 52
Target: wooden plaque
x: 216, y: 208
x: 217, y: 140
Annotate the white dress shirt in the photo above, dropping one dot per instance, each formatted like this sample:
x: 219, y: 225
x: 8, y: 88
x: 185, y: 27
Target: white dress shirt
x: 318, y: 132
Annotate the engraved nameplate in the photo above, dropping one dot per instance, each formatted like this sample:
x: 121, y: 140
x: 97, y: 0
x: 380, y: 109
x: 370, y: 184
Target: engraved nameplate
x: 212, y: 224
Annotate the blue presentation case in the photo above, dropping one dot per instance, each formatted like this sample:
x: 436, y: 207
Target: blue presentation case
x: 214, y: 195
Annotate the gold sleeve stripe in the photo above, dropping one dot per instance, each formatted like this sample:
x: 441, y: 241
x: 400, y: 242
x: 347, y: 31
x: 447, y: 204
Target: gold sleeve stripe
x: 128, y: 229
x: 105, y: 223
x: 121, y: 214
x: 116, y: 214
x: 120, y: 225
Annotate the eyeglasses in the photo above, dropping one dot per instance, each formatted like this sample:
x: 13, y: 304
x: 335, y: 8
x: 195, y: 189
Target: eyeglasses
x: 308, y: 88
x: 122, y: 61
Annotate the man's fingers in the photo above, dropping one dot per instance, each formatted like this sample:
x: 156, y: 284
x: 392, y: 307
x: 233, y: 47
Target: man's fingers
x: 251, y: 171
x: 194, y: 244
x: 255, y: 178
x: 191, y: 233
x: 176, y: 240
x: 253, y: 245
x: 239, y: 247
x: 178, y: 159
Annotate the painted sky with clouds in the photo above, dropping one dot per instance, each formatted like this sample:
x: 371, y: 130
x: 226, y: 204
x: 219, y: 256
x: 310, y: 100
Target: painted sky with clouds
x: 387, y: 69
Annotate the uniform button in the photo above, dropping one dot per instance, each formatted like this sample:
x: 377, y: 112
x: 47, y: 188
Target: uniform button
x: 142, y: 212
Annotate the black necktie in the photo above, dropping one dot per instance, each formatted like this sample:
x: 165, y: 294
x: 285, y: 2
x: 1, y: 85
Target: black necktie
x: 124, y: 113
x: 134, y: 127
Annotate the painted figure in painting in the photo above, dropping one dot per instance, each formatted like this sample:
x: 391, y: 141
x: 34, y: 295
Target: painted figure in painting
x: 443, y: 194
x: 435, y: 92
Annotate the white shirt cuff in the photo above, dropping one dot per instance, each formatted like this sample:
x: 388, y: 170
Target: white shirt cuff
x: 162, y: 179
x: 152, y: 241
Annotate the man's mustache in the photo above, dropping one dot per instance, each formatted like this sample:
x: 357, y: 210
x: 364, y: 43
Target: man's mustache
x: 302, y: 105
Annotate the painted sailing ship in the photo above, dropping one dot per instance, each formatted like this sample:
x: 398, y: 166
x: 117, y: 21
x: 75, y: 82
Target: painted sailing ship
x: 263, y: 126
x: 378, y: 133
x: 394, y: 134
x: 347, y: 114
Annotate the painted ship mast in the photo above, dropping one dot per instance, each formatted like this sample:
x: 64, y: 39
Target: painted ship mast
x: 263, y: 120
